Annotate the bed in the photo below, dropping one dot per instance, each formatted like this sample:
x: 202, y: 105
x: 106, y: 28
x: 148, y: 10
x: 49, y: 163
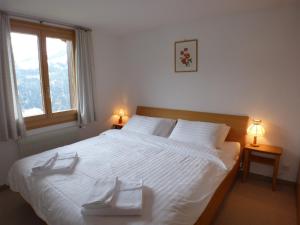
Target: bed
x: 181, y: 185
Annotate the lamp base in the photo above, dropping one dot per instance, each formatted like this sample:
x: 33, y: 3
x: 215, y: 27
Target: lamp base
x: 254, y: 145
x: 120, y: 120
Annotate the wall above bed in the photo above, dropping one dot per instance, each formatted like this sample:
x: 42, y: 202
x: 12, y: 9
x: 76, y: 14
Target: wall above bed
x: 248, y: 64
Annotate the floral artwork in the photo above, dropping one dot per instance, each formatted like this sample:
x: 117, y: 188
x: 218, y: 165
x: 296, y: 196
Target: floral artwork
x: 186, y: 56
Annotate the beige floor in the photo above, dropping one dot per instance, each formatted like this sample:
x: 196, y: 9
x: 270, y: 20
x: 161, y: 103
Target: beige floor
x: 250, y: 203
x: 254, y: 203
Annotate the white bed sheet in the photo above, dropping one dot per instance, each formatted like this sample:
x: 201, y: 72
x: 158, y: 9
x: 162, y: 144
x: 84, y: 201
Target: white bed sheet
x: 229, y: 153
x: 179, y: 179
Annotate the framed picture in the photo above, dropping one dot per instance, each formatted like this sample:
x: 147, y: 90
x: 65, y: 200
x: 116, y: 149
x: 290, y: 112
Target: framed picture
x: 186, y: 56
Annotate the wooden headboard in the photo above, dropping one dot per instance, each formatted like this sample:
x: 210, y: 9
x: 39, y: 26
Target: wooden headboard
x: 238, y: 124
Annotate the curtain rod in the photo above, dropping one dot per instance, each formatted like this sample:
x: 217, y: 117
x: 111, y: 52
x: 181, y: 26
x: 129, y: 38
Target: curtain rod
x: 42, y: 20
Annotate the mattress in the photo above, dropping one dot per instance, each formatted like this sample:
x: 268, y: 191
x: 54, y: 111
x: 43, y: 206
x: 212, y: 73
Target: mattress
x: 179, y: 178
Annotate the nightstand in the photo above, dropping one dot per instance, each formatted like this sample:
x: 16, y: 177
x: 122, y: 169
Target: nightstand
x: 274, y: 154
x: 117, y: 126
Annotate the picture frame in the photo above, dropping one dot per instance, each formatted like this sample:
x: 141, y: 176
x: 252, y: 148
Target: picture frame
x: 186, y: 56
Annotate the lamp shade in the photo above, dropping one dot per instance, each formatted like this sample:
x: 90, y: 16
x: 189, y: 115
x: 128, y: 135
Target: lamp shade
x: 121, y: 112
x: 256, y: 128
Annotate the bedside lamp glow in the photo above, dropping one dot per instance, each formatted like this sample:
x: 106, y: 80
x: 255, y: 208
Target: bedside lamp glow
x: 256, y: 129
x: 121, y: 114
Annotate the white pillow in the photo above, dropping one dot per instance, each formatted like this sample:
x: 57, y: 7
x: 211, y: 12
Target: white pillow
x: 150, y: 125
x: 223, y: 132
x: 211, y: 135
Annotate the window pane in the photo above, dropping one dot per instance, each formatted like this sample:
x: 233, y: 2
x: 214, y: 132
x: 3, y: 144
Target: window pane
x: 59, y: 55
x: 27, y: 66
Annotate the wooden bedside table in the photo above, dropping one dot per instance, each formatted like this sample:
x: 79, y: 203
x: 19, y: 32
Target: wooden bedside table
x: 118, y: 126
x: 266, y: 150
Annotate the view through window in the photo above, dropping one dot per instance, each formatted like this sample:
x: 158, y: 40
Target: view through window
x: 59, y: 55
x: 28, y: 72
x: 44, y: 66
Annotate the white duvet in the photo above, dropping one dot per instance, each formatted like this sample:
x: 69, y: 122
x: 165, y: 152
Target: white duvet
x: 179, y: 179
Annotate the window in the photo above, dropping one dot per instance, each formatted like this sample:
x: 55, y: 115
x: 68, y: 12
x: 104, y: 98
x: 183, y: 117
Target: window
x: 44, y: 65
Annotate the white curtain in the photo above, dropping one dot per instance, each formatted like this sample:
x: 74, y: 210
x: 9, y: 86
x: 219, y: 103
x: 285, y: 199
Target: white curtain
x: 11, y: 120
x: 84, y: 74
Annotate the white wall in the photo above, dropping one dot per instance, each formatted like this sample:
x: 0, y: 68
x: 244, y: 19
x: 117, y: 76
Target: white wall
x: 248, y: 64
x: 8, y: 154
x: 106, y: 98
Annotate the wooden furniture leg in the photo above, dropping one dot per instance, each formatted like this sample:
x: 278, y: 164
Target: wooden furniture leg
x: 275, y: 172
x: 246, y: 165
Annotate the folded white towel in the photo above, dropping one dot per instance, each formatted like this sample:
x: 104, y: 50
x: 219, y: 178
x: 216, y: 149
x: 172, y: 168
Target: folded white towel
x: 112, y: 212
x: 65, y: 162
x: 61, y: 163
x: 128, y: 201
x: 46, y: 164
x: 102, y: 193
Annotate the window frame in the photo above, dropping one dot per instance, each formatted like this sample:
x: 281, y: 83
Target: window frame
x: 43, y: 31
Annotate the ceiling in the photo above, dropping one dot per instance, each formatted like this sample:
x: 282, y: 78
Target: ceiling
x: 127, y: 16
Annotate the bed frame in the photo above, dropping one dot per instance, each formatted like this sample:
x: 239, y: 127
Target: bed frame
x: 237, y: 133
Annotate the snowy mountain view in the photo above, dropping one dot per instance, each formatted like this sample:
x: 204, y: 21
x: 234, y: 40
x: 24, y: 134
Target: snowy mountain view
x: 27, y: 67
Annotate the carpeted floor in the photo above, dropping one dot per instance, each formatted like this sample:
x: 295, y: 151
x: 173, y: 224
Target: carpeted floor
x: 254, y: 203
x: 250, y: 203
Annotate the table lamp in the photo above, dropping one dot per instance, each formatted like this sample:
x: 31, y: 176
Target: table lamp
x: 121, y: 114
x: 256, y: 129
